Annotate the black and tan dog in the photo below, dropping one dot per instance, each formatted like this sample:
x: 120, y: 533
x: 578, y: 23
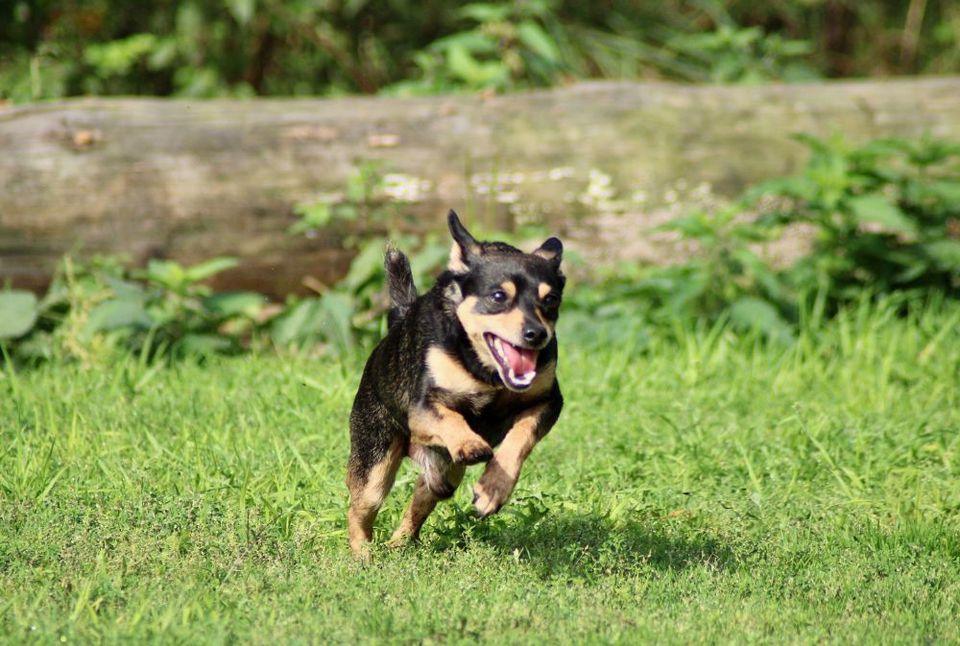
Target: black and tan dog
x: 467, y: 366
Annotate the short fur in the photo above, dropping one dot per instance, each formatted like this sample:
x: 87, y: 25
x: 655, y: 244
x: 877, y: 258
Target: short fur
x: 441, y: 387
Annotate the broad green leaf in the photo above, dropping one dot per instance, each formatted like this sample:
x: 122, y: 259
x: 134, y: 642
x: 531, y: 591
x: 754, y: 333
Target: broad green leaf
x: 201, y: 344
x: 536, y: 39
x: 165, y: 272
x: 473, y: 41
x: 118, y: 56
x: 234, y: 303
x: 115, y: 314
x: 209, y: 268
x: 302, y: 321
x: 315, y: 215
x: 338, y: 312
x: 462, y: 64
x: 943, y: 190
x: 875, y: 208
x: 18, y: 313
x: 242, y: 10
x: 756, y: 314
x: 946, y: 253
x: 366, y: 266
x: 799, y: 187
x: 485, y: 12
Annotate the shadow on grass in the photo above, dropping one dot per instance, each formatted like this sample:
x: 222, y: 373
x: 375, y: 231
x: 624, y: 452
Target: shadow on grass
x: 586, y: 545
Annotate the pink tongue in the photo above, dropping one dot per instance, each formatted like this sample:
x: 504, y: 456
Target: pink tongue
x: 521, y: 360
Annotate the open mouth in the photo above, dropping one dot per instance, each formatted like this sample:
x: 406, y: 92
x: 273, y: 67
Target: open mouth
x: 518, y: 366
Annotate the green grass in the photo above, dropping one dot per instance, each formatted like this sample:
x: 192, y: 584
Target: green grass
x: 706, y: 489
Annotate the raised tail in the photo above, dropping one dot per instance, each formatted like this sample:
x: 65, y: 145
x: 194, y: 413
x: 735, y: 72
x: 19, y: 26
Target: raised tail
x: 400, y: 284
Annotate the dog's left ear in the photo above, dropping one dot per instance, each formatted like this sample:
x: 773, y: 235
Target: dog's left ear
x: 552, y: 250
x: 465, y: 247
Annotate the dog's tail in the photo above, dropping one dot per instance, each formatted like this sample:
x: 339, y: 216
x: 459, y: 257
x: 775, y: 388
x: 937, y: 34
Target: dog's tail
x: 400, y: 284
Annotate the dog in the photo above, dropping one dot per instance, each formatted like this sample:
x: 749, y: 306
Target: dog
x: 467, y: 366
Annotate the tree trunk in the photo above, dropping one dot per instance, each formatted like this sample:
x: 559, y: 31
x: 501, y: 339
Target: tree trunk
x: 596, y: 162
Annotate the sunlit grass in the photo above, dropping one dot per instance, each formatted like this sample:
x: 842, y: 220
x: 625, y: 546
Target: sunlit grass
x: 706, y: 488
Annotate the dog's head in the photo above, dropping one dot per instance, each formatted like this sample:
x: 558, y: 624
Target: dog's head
x: 507, y: 301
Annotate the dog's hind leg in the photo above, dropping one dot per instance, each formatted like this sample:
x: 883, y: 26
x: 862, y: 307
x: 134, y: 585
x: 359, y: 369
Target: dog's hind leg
x: 369, y: 479
x: 439, y: 481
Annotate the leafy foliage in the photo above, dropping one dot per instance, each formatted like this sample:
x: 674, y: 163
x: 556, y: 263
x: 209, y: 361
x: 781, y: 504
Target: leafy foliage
x: 349, y: 314
x: 880, y: 218
x: 54, y: 48
x: 163, y: 310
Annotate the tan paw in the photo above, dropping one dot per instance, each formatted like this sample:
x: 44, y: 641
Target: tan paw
x: 492, y: 489
x: 472, y: 451
x: 361, y: 550
x: 400, y: 539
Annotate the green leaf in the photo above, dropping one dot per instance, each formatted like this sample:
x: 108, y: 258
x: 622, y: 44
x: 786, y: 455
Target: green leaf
x: 300, y: 322
x: 242, y: 10
x: 115, y: 314
x: 165, y: 272
x: 536, y: 39
x: 946, y: 191
x: 234, y: 303
x: 315, y: 215
x: 202, y: 344
x: 338, y: 311
x: 485, y: 12
x: 946, y: 253
x: 463, y: 65
x: 799, y: 187
x: 118, y: 56
x: 875, y: 208
x: 753, y: 313
x: 18, y: 313
x: 366, y: 266
x: 209, y: 268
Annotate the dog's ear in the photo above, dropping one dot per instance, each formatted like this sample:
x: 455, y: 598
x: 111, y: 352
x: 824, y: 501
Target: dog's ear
x: 465, y: 247
x: 552, y: 250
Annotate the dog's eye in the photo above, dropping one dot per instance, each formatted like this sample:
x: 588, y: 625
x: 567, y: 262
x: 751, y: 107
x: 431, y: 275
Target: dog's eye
x: 551, y: 300
x: 498, y: 296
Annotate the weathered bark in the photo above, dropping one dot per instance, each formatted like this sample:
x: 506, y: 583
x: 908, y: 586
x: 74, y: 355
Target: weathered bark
x: 192, y: 179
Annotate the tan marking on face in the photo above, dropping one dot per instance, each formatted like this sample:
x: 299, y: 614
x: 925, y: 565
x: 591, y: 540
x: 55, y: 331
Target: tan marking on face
x: 510, y: 288
x: 543, y: 321
x: 449, y: 374
x: 543, y: 289
x: 367, y: 497
x: 506, y: 325
x: 442, y: 426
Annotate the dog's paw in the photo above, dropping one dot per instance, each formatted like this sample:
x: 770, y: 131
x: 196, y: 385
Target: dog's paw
x: 401, y: 539
x: 473, y: 451
x: 492, y: 490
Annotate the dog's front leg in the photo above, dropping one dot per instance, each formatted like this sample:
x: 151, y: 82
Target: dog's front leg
x: 500, y: 477
x: 438, y: 425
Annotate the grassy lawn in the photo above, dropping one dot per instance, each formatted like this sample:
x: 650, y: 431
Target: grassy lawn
x: 707, y: 489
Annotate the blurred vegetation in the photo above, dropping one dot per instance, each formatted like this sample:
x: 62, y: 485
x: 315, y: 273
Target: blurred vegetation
x: 880, y: 221
x: 57, y: 48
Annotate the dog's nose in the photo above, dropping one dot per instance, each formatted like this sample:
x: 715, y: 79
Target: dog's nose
x: 534, y: 334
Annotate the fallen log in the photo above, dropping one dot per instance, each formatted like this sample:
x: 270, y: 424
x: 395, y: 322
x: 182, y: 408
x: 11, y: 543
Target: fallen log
x: 187, y: 180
